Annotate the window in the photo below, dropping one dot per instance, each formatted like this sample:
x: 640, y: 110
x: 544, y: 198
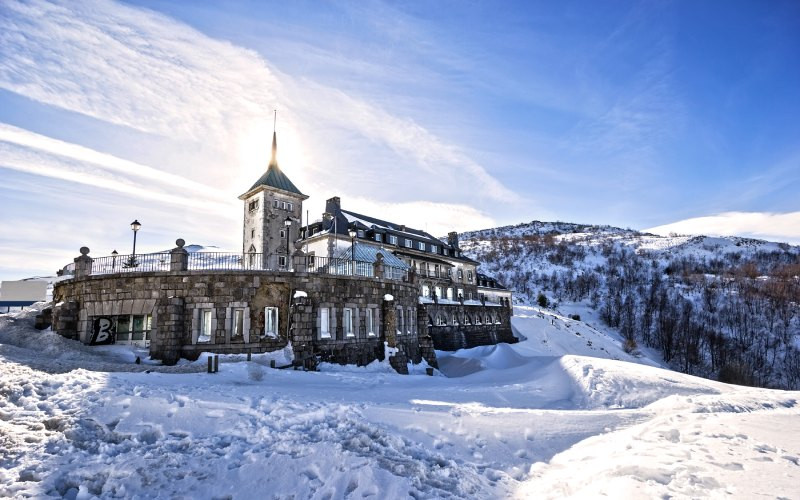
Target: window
x: 421, y: 245
x: 204, y: 332
x: 347, y: 322
x: 460, y: 275
x: 450, y: 272
x: 455, y: 319
x: 393, y: 239
x: 131, y: 328
x: 460, y: 293
x: 426, y: 291
x: 282, y: 261
x: 445, y: 251
x: 360, y: 233
x: 436, y: 270
x: 252, y: 234
x: 477, y: 319
x: 289, y: 207
x: 488, y: 320
x: 370, y: 320
x: 409, y: 243
x: 469, y: 276
x: 467, y: 319
x: 438, y: 291
x: 378, y: 237
x: 497, y: 319
x: 435, y: 248
x: 238, y: 323
x: 271, y: 321
x: 400, y: 324
x: 283, y: 233
x: 274, y: 203
x: 284, y: 205
x: 253, y: 206
x: 449, y: 293
x: 325, y: 323
x: 410, y: 323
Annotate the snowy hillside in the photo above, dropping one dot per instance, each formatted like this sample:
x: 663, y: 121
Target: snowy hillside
x: 540, y: 418
x: 723, y: 308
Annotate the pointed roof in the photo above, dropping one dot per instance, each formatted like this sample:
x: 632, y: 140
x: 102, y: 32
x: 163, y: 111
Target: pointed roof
x: 274, y: 177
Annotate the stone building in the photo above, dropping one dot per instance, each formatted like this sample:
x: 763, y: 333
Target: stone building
x: 347, y: 289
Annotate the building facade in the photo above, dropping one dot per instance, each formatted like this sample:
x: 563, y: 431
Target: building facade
x: 347, y: 289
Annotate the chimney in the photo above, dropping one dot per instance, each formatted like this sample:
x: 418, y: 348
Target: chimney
x: 452, y: 239
x: 333, y: 205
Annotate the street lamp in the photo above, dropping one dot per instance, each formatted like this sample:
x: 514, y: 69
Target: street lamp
x: 114, y: 259
x: 287, y: 223
x: 353, y: 233
x: 135, y: 226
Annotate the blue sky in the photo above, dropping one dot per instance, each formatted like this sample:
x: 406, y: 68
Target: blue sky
x: 678, y: 116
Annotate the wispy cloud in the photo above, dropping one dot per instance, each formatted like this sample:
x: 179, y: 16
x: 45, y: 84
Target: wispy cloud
x: 143, y: 70
x: 35, y: 154
x: 764, y: 225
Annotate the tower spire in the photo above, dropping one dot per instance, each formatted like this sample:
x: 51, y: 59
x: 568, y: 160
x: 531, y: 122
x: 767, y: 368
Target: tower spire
x: 274, y: 160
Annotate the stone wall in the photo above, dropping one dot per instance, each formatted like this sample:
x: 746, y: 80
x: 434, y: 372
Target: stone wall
x: 175, y: 299
x: 464, y: 333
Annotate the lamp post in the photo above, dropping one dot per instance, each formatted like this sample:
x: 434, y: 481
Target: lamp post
x: 135, y: 226
x: 353, y: 233
x: 114, y: 259
x: 287, y: 223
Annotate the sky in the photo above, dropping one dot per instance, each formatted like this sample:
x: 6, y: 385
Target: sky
x: 662, y: 116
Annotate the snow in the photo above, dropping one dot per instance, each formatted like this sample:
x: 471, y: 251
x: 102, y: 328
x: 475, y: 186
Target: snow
x: 388, y: 297
x: 563, y: 413
x: 299, y: 293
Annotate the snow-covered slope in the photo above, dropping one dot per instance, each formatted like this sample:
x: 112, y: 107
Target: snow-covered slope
x: 719, y: 307
x: 533, y: 419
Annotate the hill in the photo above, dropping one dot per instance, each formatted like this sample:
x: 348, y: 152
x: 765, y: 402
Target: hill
x: 719, y: 307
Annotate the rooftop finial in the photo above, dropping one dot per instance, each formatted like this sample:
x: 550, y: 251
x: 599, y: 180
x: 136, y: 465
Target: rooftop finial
x: 274, y: 160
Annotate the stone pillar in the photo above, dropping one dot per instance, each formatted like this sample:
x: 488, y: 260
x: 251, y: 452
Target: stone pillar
x: 301, y: 335
x: 398, y: 358
x: 389, y: 326
x: 377, y: 266
x: 168, y: 338
x: 179, y: 257
x: 65, y: 319
x: 299, y: 261
x: 83, y: 264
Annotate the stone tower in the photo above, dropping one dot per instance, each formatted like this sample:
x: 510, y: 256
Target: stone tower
x: 267, y: 205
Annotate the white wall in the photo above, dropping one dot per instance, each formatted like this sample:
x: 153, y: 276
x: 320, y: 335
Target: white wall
x: 23, y: 290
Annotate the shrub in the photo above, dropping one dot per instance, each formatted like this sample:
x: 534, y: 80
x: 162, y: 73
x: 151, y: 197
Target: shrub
x: 542, y: 300
x: 629, y: 346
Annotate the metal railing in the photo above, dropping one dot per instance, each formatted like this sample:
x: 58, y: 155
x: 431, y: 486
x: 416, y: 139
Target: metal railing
x: 224, y: 261
x: 68, y: 270
x: 131, y: 263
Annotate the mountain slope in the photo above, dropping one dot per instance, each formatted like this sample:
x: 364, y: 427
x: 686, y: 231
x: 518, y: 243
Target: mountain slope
x: 718, y: 307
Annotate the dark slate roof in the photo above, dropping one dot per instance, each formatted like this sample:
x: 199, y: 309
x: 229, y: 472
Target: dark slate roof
x: 490, y: 282
x: 276, y: 179
x: 395, y: 227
